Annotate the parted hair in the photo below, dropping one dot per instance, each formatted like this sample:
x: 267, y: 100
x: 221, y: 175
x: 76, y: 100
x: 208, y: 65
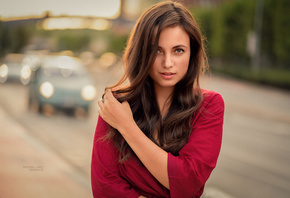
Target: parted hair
x: 174, y: 130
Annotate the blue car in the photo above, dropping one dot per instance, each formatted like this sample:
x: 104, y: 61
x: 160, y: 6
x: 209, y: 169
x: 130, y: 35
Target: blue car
x: 61, y: 83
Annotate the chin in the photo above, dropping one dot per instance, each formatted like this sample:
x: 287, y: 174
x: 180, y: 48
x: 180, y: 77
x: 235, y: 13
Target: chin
x: 167, y: 85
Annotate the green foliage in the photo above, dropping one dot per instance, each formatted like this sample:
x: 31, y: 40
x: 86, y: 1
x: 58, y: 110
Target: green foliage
x: 2, y: 48
x: 204, y: 19
x: 13, y: 39
x: 227, y: 27
x: 75, y: 41
x: 20, y: 37
x: 118, y: 43
x: 238, y: 22
x: 267, y: 41
x: 281, y: 31
x: 217, y: 38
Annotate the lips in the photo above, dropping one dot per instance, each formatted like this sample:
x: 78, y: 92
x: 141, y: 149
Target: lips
x: 167, y: 75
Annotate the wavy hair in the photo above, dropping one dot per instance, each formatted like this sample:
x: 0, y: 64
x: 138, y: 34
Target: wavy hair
x: 173, y: 131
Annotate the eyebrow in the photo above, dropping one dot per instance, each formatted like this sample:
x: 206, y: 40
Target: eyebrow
x: 176, y: 46
x: 180, y: 45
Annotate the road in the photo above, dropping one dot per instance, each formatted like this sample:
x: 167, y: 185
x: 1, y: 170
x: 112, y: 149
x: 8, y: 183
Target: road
x: 254, y: 161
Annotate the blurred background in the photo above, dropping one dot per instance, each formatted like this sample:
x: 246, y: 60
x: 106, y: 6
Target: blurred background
x: 56, y: 58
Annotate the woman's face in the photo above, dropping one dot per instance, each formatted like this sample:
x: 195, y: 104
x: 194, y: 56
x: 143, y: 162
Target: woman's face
x: 172, y: 60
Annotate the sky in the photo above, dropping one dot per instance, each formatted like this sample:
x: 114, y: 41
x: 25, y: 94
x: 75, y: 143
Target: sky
x: 26, y: 8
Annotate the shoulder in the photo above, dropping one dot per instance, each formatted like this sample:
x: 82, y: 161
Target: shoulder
x: 211, y: 108
x: 101, y: 128
x: 209, y: 96
x: 211, y: 102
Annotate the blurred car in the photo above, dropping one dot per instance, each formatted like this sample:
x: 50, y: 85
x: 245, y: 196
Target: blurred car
x: 62, y: 83
x: 10, y: 70
x: 18, y: 68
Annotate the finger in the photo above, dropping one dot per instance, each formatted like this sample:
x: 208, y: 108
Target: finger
x: 109, y: 95
x: 114, y: 88
x: 100, y: 112
x: 101, y: 107
x: 125, y: 103
x: 104, y: 97
x: 101, y: 104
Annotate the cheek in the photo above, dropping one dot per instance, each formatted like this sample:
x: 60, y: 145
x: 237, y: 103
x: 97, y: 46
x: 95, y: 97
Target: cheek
x: 157, y: 62
x: 184, y: 64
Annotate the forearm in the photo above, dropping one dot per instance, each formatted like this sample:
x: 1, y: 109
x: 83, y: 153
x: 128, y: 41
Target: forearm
x: 151, y: 155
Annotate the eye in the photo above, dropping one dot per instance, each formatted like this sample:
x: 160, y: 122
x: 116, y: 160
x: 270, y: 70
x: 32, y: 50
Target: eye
x: 159, y: 51
x: 178, y: 50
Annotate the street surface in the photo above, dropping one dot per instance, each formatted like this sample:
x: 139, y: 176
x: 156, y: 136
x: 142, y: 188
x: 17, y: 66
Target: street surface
x: 254, y: 160
x: 49, y: 155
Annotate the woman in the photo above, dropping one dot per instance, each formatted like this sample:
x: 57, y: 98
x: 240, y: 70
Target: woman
x: 160, y: 136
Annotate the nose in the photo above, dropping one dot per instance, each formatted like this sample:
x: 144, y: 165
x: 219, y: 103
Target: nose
x: 167, y: 61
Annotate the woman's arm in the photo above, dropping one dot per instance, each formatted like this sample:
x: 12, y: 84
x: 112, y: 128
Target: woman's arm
x: 152, y: 156
x: 119, y: 116
x: 189, y: 171
x: 105, y: 177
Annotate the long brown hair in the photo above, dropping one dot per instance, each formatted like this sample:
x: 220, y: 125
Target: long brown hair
x: 140, y: 53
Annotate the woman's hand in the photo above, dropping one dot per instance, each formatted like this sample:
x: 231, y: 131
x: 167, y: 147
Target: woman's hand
x: 113, y: 112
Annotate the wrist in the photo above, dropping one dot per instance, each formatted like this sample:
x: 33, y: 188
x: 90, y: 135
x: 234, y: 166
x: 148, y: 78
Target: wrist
x: 126, y: 129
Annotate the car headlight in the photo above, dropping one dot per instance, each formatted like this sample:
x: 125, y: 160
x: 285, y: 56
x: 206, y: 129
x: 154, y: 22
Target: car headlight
x: 25, y: 74
x: 88, y: 92
x: 3, y: 72
x: 46, y: 89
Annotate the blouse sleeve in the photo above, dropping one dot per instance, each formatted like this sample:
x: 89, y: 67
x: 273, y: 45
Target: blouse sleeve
x: 189, y: 171
x: 105, y: 177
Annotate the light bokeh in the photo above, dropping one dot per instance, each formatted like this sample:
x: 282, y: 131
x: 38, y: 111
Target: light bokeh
x: 93, y: 8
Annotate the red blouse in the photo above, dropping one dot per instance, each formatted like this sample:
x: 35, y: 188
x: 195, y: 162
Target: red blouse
x: 187, y: 172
